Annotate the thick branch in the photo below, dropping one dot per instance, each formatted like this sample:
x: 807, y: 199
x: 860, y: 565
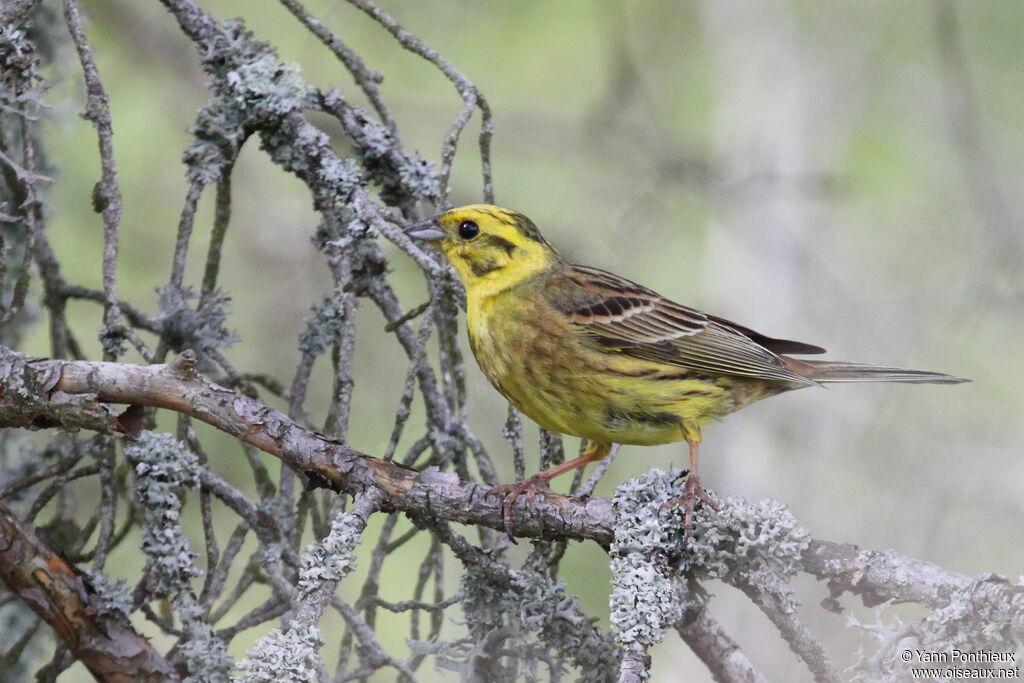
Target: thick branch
x: 104, y: 641
x: 882, y: 575
x: 26, y: 384
x: 329, y: 463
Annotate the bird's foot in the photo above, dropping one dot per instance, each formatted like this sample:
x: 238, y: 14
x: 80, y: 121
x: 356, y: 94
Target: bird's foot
x: 529, y: 486
x: 693, y: 493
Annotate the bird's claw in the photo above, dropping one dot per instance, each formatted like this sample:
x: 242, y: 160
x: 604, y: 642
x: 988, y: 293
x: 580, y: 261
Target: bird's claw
x: 693, y: 492
x: 528, y: 486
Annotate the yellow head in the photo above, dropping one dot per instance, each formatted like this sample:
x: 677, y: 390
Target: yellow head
x: 491, y: 248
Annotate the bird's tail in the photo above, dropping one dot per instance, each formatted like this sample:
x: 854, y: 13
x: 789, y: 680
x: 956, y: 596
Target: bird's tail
x: 844, y: 371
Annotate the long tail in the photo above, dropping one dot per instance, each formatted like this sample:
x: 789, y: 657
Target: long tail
x: 843, y: 371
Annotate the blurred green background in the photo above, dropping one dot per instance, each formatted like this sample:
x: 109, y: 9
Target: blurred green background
x: 847, y: 174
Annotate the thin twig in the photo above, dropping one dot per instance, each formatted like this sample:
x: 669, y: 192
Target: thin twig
x: 472, y: 98
x: 781, y: 611
x: 107, y: 193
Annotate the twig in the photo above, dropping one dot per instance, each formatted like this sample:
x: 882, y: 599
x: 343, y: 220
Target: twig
x: 365, y: 78
x: 107, y: 193
x: 472, y: 98
x: 221, y: 220
x: 406, y: 605
x: 513, y: 433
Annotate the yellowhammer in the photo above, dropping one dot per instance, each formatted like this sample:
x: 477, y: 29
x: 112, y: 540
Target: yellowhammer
x: 584, y: 352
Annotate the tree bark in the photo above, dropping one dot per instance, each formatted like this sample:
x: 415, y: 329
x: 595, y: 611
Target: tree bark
x: 104, y: 641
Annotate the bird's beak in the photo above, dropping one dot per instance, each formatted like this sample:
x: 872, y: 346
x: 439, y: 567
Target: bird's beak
x: 427, y: 230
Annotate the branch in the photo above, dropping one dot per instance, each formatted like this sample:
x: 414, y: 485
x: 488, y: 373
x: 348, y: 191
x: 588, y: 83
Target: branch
x: 329, y: 463
x: 107, y: 192
x: 42, y: 386
x: 879, y: 576
x: 781, y: 611
x: 103, y: 640
x: 720, y: 653
x: 636, y: 663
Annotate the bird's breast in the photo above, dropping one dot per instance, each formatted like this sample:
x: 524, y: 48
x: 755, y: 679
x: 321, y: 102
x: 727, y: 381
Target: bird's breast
x: 547, y: 369
x: 525, y: 351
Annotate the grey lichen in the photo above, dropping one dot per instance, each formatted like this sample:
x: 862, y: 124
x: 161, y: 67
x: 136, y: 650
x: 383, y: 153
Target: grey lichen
x: 107, y: 597
x: 283, y: 656
x: 332, y: 558
x: 112, y: 340
x: 543, y: 623
x: 341, y: 174
x: 965, y: 624
x: 324, y: 327
x: 248, y: 74
x: 252, y: 90
x: 419, y: 177
x: 19, y: 67
x: 219, y: 131
x: 202, y: 328
x: 164, y: 467
x: 646, y: 598
x: 206, y: 657
x: 265, y: 88
x: 758, y: 543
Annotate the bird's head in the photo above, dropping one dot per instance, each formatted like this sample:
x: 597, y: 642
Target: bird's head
x: 491, y: 248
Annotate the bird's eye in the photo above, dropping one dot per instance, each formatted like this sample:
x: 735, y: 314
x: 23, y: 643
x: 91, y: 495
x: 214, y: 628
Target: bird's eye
x: 468, y: 230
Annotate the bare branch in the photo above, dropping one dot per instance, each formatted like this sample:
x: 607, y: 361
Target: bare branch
x: 103, y: 640
x: 720, y: 653
x: 107, y: 193
x: 781, y: 610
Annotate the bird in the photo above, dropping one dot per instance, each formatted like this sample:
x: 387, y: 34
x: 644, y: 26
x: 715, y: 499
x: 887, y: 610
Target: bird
x: 584, y: 352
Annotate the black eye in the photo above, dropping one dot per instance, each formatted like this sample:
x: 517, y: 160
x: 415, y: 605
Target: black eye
x: 468, y: 230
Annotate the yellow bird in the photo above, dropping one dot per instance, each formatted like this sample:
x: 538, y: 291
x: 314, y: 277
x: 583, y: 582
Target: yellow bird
x: 584, y: 352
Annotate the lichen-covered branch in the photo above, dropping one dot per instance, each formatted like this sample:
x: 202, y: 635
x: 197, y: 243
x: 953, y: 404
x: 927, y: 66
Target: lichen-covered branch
x: 726, y: 537
x: 877, y: 576
x: 177, y: 386
x: 247, y: 560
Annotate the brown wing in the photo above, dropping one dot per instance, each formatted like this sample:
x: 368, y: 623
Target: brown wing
x: 770, y: 343
x: 619, y: 315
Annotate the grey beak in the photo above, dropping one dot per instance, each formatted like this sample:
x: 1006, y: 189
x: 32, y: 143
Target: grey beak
x: 425, y: 230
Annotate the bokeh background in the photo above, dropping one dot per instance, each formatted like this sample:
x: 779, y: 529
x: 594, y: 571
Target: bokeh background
x: 847, y: 174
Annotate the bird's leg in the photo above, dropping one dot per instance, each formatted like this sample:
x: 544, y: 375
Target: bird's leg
x: 593, y: 452
x: 693, y: 491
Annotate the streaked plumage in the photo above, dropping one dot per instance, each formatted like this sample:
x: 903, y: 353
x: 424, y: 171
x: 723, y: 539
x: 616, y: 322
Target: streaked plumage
x: 582, y: 351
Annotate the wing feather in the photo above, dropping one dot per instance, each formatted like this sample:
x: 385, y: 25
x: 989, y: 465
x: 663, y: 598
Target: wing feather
x: 618, y: 315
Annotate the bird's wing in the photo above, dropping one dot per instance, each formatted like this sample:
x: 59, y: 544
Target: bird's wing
x: 618, y: 315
